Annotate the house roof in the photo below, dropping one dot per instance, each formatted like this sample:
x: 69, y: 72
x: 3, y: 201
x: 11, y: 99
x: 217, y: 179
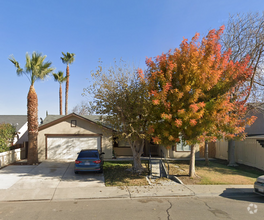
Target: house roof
x: 16, y: 120
x: 54, y: 119
x: 257, y: 128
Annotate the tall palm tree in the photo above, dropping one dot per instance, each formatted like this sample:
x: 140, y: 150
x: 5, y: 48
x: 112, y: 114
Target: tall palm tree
x: 67, y: 59
x: 58, y: 77
x: 35, y: 69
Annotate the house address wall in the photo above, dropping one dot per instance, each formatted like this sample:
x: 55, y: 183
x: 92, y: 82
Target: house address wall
x: 9, y: 157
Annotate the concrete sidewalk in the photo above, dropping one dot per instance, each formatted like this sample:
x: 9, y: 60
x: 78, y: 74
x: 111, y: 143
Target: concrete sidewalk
x: 75, y: 193
x: 57, y: 181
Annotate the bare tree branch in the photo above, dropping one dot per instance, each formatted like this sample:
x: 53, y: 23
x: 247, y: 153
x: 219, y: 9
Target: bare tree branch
x: 244, y: 35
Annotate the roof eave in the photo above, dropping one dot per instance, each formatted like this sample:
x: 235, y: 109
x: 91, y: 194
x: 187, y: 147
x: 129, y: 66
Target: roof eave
x: 56, y: 121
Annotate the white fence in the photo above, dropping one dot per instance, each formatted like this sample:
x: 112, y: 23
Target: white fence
x: 10, y: 157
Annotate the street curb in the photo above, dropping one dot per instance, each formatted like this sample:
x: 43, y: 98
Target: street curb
x: 234, y: 193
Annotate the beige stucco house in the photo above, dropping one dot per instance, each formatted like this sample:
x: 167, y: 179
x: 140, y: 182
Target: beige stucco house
x: 249, y: 151
x: 62, y: 137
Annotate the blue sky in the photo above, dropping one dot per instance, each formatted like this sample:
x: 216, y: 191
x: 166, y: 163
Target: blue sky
x: 92, y: 29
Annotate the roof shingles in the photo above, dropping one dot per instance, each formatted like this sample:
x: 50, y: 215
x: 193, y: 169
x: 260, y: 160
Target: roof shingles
x: 16, y: 120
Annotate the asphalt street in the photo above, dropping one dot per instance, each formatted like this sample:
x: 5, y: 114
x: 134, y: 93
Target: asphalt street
x: 240, y: 207
x: 51, y: 190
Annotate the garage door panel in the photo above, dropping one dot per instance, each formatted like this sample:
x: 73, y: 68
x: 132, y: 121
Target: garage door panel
x: 66, y: 148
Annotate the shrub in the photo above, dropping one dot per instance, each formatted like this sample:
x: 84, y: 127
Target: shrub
x: 7, y: 134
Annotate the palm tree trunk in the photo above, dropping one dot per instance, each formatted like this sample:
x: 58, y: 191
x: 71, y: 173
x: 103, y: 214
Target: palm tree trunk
x: 60, y: 94
x: 67, y: 89
x: 32, y: 114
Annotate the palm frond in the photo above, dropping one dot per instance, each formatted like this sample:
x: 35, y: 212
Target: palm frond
x: 28, y: 63
x: 68, y: 58
x: 19, y: 69
x: 58, y: 77
x: 35, y: 67
x: 60, y: 73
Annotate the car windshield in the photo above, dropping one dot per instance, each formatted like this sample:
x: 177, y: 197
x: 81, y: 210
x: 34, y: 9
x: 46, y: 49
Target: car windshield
x: 88, y: 154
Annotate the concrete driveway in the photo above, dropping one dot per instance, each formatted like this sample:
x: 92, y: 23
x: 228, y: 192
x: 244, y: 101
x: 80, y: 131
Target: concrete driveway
x: 48, y: 174
x: 53, y: 180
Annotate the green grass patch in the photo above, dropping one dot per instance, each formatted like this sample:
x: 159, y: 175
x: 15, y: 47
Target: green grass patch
x: 116, y: 174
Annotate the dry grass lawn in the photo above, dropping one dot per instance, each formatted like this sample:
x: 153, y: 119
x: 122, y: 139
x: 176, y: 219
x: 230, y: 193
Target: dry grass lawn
x: 216, y: 173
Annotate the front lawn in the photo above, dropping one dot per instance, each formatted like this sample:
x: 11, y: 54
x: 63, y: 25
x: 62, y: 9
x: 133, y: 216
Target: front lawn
x: 216, y: 173
x: 116, y: 174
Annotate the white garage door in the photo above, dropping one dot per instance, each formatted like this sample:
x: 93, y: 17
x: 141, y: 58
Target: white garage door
x: 66, y: 148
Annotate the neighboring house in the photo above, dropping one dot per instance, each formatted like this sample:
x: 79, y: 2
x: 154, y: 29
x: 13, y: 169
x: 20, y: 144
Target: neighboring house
x: 20, y: 123
x: 249, y: 151
x: 62, y: 137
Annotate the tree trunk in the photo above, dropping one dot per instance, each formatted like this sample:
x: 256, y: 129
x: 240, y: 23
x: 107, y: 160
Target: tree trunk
x: 32, y: 114
x: 67, y: 89
x: 60, y: 94
x: 231, y: 153
x: 192, y: 162
x: 137, y: 166
x: 206, y: 153
x: 137, y: 150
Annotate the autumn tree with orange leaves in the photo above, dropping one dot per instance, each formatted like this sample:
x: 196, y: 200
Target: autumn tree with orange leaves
x: 198, y: 93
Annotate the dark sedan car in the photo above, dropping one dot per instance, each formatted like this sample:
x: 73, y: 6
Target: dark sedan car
x: 89, y: 160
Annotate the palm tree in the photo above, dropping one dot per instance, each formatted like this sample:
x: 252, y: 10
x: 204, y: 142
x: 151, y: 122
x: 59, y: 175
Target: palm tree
x: 35, y: 69
x: 67, y: 59
x: 58, y: 77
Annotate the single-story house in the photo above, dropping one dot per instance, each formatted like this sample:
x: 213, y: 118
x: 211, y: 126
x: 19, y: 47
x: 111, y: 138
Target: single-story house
x: 62, y: 137
x: 21, y: 125
x: 249, y: 151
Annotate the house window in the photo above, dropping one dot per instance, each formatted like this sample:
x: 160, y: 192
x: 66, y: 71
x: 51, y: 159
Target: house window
x: 73, y: 123
x: 182, y: 146
x: 123, y: 144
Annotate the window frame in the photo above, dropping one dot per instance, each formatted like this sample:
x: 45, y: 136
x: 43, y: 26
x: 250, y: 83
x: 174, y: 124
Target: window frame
x: 182, y: 146
x: 73, y: 123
